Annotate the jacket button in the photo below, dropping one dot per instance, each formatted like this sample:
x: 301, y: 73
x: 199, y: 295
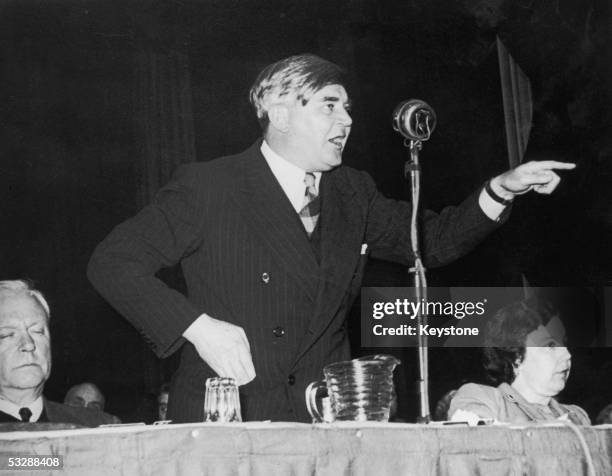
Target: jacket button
x: 265, y: 277
x: 291, y: 379
x: 278, y: 331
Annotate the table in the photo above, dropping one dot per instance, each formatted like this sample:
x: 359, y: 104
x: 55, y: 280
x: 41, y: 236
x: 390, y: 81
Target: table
x: 266, y: 449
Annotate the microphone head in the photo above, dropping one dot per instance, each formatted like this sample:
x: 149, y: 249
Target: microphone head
x: 414, y: 119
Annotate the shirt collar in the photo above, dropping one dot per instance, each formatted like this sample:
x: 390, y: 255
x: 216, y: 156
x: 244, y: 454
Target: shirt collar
x: 289, y: 176
x: 36, y: 407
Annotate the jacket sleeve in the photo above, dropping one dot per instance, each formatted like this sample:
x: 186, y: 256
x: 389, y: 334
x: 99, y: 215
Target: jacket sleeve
x: 123, y: 266
x: 445, y: 236
x: 477, y: 399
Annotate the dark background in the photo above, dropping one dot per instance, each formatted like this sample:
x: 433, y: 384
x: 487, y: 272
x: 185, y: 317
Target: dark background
x: 101, y: 100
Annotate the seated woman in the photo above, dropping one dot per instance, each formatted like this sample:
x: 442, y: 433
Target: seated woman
x: 526, y: 358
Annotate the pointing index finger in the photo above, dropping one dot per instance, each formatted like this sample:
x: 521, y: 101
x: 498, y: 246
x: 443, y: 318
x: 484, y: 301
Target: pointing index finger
x: 555, y: 164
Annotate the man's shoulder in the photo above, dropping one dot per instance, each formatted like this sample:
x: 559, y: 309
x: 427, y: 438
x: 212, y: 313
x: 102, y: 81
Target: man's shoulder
x: 225, y: 161
x: 226, y: 167
x: 349, y: 173
x: 61, y: 413
x: 350, y: 178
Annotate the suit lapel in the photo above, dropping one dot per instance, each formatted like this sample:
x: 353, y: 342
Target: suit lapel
x: 272, y: 218
x: 49, y: 411
x: 6, y: 418
x: 341, y: 237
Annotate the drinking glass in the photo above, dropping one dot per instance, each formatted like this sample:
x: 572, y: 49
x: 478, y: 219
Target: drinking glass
x: 221, y: 402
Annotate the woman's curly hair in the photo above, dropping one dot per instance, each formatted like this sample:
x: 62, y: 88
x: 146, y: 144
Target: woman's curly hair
x: 506, y: 334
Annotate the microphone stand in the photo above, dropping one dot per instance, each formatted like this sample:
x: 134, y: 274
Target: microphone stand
x: 412, y: 171
x: 416, y: 120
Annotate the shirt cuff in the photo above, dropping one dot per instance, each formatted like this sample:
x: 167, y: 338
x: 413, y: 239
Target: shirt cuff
x: 490, y: 207
x: 199, y: 321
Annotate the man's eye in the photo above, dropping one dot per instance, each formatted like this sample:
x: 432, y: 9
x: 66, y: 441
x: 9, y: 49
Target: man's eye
x: 330, y: 106
x: 38, y: 331
x: 6, y: 335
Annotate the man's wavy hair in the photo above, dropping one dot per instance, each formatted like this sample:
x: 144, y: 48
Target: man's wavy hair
x: 506, y: 334
x: 10, y: 288
x: 294, y: 78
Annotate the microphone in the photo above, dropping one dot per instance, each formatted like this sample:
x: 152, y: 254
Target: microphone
x: 414, y: 119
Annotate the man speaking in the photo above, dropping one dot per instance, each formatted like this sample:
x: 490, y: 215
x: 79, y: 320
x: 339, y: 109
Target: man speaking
x: 273, y: 243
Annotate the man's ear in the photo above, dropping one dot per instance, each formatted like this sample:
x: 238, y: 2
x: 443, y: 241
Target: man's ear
x: 278, y: 115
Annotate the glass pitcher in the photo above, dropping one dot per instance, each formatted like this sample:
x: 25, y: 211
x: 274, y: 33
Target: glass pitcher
x: 358, y: 390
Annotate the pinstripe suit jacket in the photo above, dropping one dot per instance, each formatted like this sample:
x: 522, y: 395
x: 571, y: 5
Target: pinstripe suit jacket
x: 247, y: 260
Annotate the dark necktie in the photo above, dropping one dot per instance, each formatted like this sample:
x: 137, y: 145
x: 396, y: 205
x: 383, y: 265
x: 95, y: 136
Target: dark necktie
x: 25, y: 413
x: 312, y: 204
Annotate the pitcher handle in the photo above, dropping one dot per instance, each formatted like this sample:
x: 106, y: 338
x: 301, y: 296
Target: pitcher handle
x: 311, y: 400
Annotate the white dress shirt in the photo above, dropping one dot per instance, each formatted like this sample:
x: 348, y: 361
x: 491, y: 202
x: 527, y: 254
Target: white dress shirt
x: 289, y: 176
x: 490, y: 207
x: 36, y: 407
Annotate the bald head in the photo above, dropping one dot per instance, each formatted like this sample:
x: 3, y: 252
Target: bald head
x: 85, y: 395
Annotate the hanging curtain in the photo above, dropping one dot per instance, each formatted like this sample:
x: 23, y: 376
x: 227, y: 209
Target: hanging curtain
x: 518, y: 104
x: 165, y: 139
x: 164, y: 118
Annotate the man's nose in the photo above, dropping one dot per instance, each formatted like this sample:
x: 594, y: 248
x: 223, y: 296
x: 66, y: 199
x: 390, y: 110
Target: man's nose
x: 26, y: 343
x: 565, y: 354
x: 345, y: 118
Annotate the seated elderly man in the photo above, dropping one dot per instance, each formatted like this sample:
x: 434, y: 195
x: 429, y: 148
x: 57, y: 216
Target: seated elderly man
x: 25, y: 361
x: 527, y: 360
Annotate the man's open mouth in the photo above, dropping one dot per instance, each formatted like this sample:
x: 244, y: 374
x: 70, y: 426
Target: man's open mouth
x: 338, y: 141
